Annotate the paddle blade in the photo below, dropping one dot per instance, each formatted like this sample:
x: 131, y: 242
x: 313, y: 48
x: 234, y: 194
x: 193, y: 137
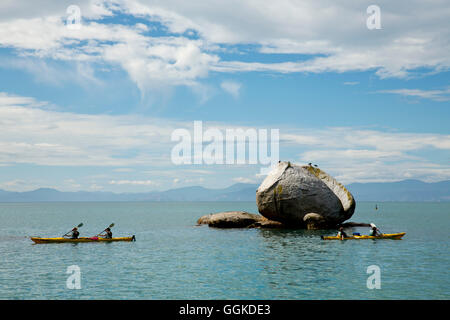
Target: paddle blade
x: 111, y: 225
x: 80, y: 225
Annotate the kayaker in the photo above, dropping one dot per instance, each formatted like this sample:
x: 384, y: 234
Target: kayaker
x: 342, y: 233
x: 108, y: 233
x: 374, y: 231
x: 75, y: 233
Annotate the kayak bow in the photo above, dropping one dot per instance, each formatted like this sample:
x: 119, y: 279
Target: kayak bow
x: 83, y: 239
x: 394, y: 236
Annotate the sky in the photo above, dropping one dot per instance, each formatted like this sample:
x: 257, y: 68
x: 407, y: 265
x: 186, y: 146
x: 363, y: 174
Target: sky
x: 91, y: 92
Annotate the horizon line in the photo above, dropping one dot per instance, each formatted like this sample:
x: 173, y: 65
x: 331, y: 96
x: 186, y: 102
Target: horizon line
x: 199, y: 186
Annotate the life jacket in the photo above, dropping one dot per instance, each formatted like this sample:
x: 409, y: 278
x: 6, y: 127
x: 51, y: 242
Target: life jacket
x: 342, y: 234
x: 75, y: 234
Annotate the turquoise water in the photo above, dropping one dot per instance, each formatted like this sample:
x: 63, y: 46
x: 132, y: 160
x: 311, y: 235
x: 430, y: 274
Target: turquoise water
x: 174, y: 259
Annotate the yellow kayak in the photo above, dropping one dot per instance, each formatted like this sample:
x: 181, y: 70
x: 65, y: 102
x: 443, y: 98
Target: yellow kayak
x: 394, y: 236
x: 83, y: 239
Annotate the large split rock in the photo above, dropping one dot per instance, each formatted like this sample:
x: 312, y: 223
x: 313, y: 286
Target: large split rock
x: 304, y: 196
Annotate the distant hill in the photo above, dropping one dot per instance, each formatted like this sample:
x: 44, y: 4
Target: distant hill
x: 236, y: 192
x: 407, y: 190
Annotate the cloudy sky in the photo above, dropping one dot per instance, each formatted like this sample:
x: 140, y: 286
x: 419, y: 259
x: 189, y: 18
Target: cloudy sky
x: 92, y: 105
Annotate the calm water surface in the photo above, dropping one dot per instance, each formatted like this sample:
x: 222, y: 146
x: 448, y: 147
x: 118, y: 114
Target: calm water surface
x: 174, y: 259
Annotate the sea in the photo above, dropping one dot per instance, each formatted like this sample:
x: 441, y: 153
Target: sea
x: 173, y: 258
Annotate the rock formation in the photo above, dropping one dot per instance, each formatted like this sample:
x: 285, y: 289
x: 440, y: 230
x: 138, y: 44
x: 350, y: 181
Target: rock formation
x: 230, y: 219
x: 304, y: 196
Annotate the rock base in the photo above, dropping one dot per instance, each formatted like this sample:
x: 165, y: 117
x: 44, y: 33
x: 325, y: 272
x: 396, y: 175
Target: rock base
x: 230, y: 219
x: 238, y: 219
x: 243, y: 219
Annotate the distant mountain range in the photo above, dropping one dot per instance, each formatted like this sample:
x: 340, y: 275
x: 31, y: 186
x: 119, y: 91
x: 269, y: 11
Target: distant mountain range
x: 236, y: 192
x: 406, y: 190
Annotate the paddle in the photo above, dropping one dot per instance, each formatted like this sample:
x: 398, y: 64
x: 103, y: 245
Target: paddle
x: 110, y: 226
x: 79, y: 226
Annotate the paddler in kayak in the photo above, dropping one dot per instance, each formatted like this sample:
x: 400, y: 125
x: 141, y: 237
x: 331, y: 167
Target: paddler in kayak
x: 341, y: 234
x: 374, y: 231
x: 107, y: 235
x: 75, y: 233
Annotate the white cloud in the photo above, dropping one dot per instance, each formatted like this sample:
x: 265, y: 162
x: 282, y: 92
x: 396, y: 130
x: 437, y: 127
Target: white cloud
x: 71, y: 184
x: 377, y: 171
x: 10, y: 99
x: 95, y: 187
x: 81, y: 73
x: 24, y: 185
x: 246, y: 180
x: 336, y: 31
x: 46, y: 137
x: 36, y: 135
x: 132, y: 182
x: 123, y: 170
x: 436, y: 95
x: 160, y: 62
x: 231, y: 87
x: 355, y: 154
x: 330, y: 37
x: 369, y: 155
x: 150, y: 61
x: 13, y: 183
x: 90, y: 9
x: 347, y: 137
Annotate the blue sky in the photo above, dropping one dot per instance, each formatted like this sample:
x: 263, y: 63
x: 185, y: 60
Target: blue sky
x: 94, y: 108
